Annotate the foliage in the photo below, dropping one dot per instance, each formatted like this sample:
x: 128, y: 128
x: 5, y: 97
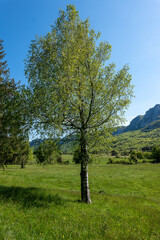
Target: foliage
x: 66, y: 73
x: 156, y: 153
x: 71, y: 89
x: 77, y: 156
x: 140, y: 155
x: 123, y: 143
x: 133, y: 157
x: 119, y: 161
x: 114, y: 153
x: 31, y: 156
x: 148, y: 155
x: 136, y: 140
x: 13, y: 133
x: 48, y: 152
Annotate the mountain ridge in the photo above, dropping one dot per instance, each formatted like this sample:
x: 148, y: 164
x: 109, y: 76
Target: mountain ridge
x: 142, y: 121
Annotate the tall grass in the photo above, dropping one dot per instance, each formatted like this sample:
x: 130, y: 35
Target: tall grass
x: 43, y: 202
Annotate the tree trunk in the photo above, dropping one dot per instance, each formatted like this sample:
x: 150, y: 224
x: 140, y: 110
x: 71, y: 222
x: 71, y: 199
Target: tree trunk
x: 85, y: 194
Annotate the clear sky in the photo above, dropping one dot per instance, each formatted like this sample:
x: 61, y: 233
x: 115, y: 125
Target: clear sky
x: 132, y: 27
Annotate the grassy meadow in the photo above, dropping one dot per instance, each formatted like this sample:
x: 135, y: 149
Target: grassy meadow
x: 42, y: 202
x: 136, y: 140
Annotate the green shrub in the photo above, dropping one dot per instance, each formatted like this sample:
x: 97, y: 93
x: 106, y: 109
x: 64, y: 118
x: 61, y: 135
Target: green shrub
x: 144, y: 161
x: 59, y: 159
x: 110, y: 160
x: 114, y: 153
x: 156, y: 153
x: 133, y: 157
x: 121, y: 161
x: 147, y: 155
x: 77, y: 156
x: 125, y: 153
x: 140, y: 155
x: 47, y: 152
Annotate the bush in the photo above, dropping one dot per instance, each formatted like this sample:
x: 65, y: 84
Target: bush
x: 114, y: 153
x: 156, y: 153
x: 121, y: 161
x: 110, y: 160
x: 47, y: 152
x: 77, y: 156
x: 144, y: 161
x: 140, y: 155
x: 125, y: 153
x: 133, y: 157
x: 147, y: 155
x: 66, y: 162
x: 59, y: 159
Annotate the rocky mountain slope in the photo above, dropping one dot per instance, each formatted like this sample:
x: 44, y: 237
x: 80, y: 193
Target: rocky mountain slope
x: 142, y: 121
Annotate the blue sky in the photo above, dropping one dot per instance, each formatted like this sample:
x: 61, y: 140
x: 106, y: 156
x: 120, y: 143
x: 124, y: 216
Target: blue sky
x: 132, y: 27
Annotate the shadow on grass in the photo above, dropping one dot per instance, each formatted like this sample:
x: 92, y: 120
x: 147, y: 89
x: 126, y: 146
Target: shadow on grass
x: 29, y: 197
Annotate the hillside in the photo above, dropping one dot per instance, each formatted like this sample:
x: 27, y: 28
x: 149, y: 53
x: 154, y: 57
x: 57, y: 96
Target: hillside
x: 142, y: 133
x: 66, y: 145
x: 141, y: 121
x: 143, y: 139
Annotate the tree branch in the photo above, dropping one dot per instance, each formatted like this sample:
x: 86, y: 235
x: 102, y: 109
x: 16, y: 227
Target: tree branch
x: 91, y: 103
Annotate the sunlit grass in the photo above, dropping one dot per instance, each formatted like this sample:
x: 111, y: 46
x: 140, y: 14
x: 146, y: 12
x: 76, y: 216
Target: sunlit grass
x: 42, y: 202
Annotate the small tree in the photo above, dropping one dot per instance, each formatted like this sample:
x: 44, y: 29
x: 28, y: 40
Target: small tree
x: 77, y: 156
x: 156, y: 153
x: 71, y: 89
x: 47, y: 152
x: 133, y: 157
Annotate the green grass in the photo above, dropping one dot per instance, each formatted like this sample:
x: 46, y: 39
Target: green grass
x: 136, y: 140
x: 67, y: 157
x: 42, y: 202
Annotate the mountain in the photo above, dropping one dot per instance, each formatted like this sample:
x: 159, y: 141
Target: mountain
x: 142, y: 133
x: 35, y: 143
x: 66, y: 144
x: 142, y: 121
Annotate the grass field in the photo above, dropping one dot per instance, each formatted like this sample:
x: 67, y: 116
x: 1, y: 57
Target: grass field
x: 42, y: 202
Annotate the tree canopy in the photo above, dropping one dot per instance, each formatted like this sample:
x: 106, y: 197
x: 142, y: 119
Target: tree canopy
x: 71, y: 89
x: 13, y: 135
x: 47, y: 152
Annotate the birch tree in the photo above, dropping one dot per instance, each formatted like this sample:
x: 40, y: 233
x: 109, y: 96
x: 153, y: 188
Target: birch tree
x: 70, y: 87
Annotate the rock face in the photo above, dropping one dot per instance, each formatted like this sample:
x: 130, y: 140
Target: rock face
x: 135, y: 124
x: 153, y: 114
x: 141, y: 121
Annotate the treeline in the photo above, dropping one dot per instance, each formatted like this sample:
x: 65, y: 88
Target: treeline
x: 134, y: 157
x: 14, y: 141
x: 14, y: 130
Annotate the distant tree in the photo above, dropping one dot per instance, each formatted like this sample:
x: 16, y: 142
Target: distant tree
x: 156, y: 153
x: 114, y: 153
x: 48, y: 152
x: 31, y: 156
x: 140, y: 155
x: 133, y: 157
x: 77, y: 156
x: 72, y: 90
x: 148, y: 155
x: 12, y: 132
